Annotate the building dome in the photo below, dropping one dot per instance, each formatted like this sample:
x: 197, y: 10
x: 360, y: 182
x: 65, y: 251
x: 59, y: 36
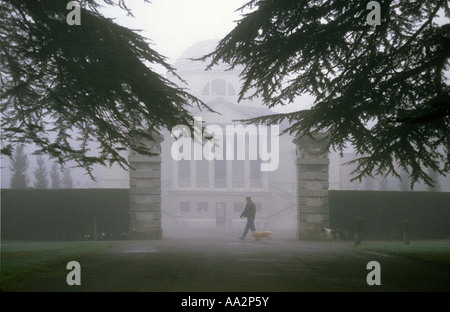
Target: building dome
x: 185, y: 62
x: 207, y: 84
x: 199, y: 49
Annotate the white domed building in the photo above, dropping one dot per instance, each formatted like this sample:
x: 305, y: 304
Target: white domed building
x: 211, y: 192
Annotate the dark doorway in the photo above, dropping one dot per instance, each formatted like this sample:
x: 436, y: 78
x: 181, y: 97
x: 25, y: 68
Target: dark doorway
x: 221, y: 214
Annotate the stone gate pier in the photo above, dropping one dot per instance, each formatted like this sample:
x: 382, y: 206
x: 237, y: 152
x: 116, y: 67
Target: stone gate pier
x: 312, y: 186
x: 145, y: 193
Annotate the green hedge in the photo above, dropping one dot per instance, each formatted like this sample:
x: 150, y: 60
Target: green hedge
x: 63, y: 214
x: 67, y: 214
x: 383, y: 213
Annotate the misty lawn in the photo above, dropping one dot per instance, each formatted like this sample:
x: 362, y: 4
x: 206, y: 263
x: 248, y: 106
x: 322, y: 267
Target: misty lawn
x: 24, y: 259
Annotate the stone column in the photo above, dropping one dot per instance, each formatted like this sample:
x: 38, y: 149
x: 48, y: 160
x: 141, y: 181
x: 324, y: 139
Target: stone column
x: 312, y: 186
x: 145, y: 193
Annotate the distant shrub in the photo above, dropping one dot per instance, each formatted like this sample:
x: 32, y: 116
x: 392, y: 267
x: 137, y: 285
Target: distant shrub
x: 383, y: 213
x: 64, y: 214
x: 68, y: 214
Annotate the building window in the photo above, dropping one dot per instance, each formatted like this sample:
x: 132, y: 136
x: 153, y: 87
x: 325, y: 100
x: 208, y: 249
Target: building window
x: 220, y: 170
x: 184, y: 173
x: 206, y: 89
x: 231, y: 90
x: 202, y: 173
x: 220, y: 173
x: 202, y: 207
x: 255, y: 170
x: 185, y: 206
x: 238, y: 173
x: 218, y: 87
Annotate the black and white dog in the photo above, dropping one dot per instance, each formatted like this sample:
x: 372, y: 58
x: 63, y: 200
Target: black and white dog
x: 334, y: 234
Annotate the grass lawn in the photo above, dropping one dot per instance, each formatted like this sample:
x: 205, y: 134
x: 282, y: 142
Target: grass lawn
x: 24, y: 259
x: 431, y: 251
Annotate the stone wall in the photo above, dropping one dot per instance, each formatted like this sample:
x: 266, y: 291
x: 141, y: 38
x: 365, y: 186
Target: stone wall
x: 313, y: 210
x: 145, y: 193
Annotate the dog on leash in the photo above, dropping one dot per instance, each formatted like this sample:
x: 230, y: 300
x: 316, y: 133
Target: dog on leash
x: 261, y: 234
x: 334, y: 234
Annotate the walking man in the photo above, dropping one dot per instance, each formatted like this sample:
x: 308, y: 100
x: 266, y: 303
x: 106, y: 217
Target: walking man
x: 249, y: 212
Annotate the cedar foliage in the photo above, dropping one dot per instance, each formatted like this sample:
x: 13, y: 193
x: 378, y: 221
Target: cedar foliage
x: 40, y: 174
x: 382, y: 89
x: 66, y: 86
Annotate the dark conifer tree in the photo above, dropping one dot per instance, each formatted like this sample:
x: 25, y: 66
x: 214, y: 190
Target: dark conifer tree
x: 64, y: 86
x: 67, y: 181
x: 40, y: 174
x: 19, y: 167
x: 405, y: 181
x: 381, y: 89
x: 55, y: 176
x: 436, y: 186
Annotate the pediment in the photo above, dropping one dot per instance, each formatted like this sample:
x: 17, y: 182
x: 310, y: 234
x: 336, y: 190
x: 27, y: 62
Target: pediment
x: 227, y: 112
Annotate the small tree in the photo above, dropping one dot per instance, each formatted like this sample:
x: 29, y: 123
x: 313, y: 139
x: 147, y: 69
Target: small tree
x: 436, y: 187
x: 405, y: 181
x: 383, y: 183
x: 55, y: 176
x: 40, y: 174
x: 67, y: 179
x: 369, y: 183
x: 19, y: 166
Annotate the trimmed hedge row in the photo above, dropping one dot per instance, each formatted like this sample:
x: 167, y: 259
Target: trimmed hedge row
x: 68, y: 214
x: 383, y: 213
x: 64, y: 214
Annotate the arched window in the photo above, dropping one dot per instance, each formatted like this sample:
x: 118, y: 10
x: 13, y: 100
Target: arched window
x: 231, y: 89
x: 218, y: 87
x: 206, y: 89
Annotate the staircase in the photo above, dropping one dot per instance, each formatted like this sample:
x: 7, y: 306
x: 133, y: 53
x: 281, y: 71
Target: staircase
x: 284, y: 215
